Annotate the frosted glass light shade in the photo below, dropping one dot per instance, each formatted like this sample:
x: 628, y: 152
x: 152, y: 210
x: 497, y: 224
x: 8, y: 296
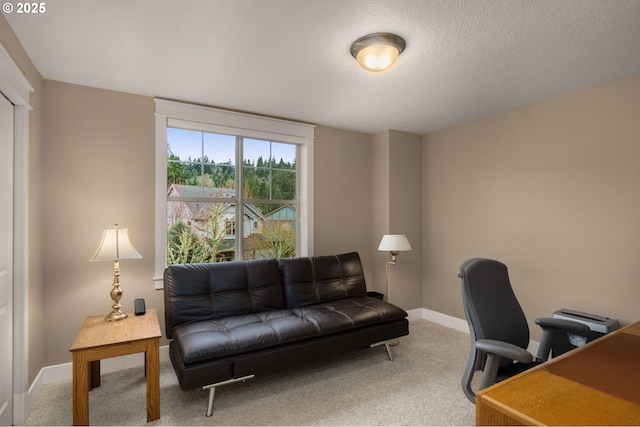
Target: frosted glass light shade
x: 377, y: 52
x: 115, y: 245
x: 377, y: 58
x: 394, y: 243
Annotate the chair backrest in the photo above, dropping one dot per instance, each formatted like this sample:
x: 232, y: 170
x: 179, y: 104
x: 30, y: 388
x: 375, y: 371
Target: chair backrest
x: 195, y: 292
x: 321, y: 279
x: 491, y: 307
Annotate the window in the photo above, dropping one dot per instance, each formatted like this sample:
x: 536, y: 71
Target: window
x: 230, y: 186
x: 230, y: 227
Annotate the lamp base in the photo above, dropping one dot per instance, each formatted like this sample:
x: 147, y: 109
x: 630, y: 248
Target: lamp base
x: 116, y: 294
x: 116, y: 315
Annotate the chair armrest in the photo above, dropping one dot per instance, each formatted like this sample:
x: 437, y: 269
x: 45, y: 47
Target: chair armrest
x: 569, y: 325
x: 550, y: 326
x: 495, y: 351
x: 504, y: 349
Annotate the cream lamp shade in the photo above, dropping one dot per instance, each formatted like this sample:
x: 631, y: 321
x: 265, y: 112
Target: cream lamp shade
x: 394, y: 243
x: 114, y: 246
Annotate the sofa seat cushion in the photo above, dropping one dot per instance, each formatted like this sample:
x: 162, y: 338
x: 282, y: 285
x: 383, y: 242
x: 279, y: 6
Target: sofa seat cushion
x: 208, y: 339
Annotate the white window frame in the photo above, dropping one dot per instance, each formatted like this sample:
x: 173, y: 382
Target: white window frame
x: 179, y: 114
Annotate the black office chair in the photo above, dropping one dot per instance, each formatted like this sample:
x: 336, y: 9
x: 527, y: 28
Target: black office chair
x: 498, y: 327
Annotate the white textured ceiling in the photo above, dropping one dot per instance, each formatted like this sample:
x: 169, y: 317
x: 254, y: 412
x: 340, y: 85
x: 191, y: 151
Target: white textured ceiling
x: 464, y: 59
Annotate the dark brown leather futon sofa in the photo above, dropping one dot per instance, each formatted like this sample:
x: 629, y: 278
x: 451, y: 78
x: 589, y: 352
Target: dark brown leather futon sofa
x: 230, y: 321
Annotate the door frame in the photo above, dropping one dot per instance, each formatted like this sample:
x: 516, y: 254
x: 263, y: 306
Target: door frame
x: 16, y: 88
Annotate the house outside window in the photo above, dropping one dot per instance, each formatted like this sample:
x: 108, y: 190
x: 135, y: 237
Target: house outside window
x: 230, y: 186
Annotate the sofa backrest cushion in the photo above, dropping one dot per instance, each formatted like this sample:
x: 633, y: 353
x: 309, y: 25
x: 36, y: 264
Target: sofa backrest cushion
x: 194, y: 292
x: 321, y: 279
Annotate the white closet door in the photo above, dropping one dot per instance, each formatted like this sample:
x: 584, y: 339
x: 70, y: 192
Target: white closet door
x: 6, y: 262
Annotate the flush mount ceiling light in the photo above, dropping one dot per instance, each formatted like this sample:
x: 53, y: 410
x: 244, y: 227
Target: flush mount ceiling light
x: 378, y: 51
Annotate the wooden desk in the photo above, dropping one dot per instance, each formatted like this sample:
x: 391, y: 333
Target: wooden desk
x: 597, y: 384
x: 99, y: 339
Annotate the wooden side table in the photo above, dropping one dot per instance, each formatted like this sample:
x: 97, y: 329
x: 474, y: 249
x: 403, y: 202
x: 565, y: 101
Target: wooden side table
x: 98, y: 339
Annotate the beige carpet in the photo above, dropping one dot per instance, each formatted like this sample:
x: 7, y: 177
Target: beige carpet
x: 422, y: 387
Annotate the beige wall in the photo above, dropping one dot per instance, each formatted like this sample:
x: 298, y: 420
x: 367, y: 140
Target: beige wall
x: 511, y: 186
x: 379, y: 206
x: 405, y: 217
x: 397, y: 209
x: 551, y: 189
x: 99, y: 170
x: 342, y: 195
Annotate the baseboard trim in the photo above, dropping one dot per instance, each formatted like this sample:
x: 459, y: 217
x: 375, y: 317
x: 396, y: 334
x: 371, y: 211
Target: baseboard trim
x: 64, y: 372
x: 439, y: 318
x: 455, y: 323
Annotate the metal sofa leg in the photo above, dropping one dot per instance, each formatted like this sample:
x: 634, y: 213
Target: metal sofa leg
x: 212, y: 390
x: 389, y: 352
x: 387, y: 346
x: 212, y: 395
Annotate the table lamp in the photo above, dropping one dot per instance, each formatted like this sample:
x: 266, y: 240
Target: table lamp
x: 115, y: 245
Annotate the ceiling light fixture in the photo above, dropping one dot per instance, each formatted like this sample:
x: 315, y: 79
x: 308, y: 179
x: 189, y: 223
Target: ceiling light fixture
x: 377, y: 52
